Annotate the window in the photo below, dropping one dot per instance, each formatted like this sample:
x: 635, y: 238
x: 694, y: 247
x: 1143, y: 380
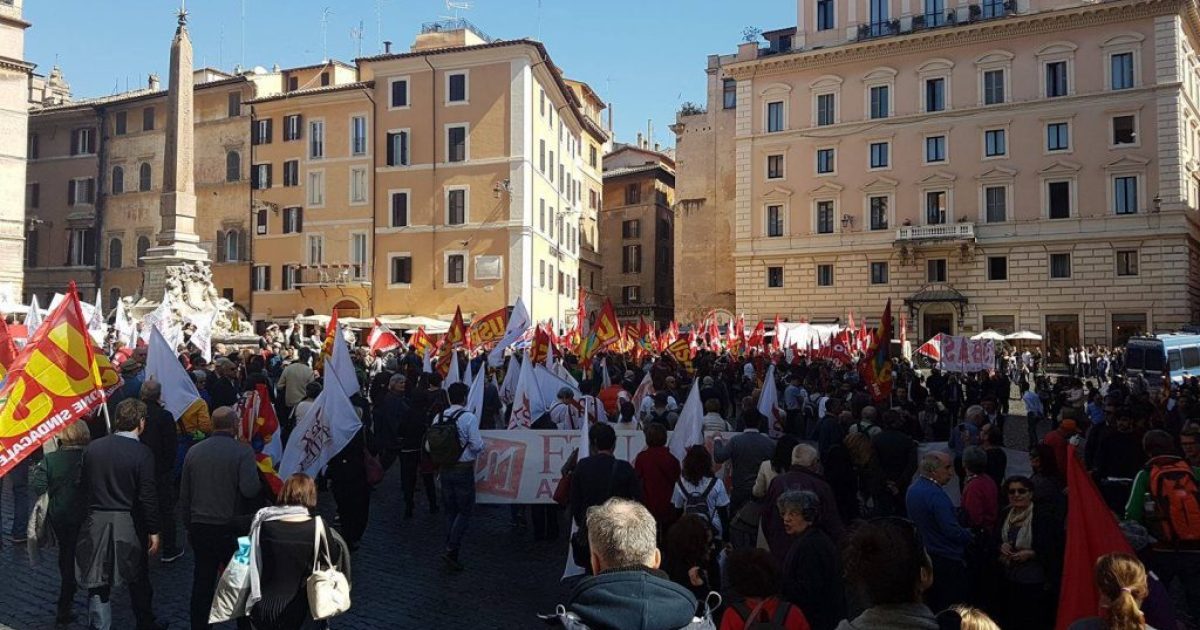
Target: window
x: 1059, y: 196
x: 824, y: 15
x: 260, y: 222
x: 1125, y: 194
x: 456, y: 206
x: 935, y: 12
x: 1127, y: 262
x: 824, y: 217
x: 1058, y: 136
x: 879, y: 273
x: 358, y: 135
x: 879, y: 17
x: 118, y: 180
x: 551, y: 167
x: 631, y: 294
x: 995, y: 143
x: 292, y: 127
x: 729, y: 93
x: 262, y: 132
x: 456, y: 87
x: 83, y: 141
x: 1121, y: 67
x: 316, y: 139
x: 148, y: 119
x: 456, y: 143
x: 401, y: 270
x: 541, y: 156
x: 358, y: 254
x: 260, y: 177
x: 316, y: 188
x: 115, y: 254
x: 262, y: 278
x: 774, y: 277
x: 456, y: 269
x: 1060, y: 266
x: 120, y: 124
x: 935, y: 149
x: 229, y: 246
x: 293, y: 220
x: 290, y: 277
x: 143, y: 246
x: 358, y: 185
x: 324, y: 79
x: 316, y: 249
x: 633, y: 194
x: 542, y: 274
x: 235, y: 104
x: 774, y: 167
x: 935, y: 207
x: 81, y: 191
x: 1124, y: 130
x: 233, y: 166
x: 879, y: 213
x: 293, y: 84
x: 81, y: 247
x: 291, y: 173
x: 993, y: 8
x: 995, y: 203
x: 145, y: 175
x: 997, y: 268
x: 33, y: 145
x: 824, y: 275
x: 397, y: 148
x: 1056, y: 79
x: 774, y: 116
x: 935, y: 270
x: 593, y: 157
x: 31, y: 248
x: 993, y: 87
x: 825, y: 109
x: 881, y: 97
x: 879, y: 154
x: 631, y: 259
x: 935, y: 94
x: 631, y: 229
x: 774, y: 221
x: 33, y: 194
x: 825, y: 161
x: 399, y: 93
x: 399, y: 207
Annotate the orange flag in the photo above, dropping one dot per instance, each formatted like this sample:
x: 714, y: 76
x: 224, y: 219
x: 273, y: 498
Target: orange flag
x: 420, y: 342
x: 51, y: 383
x: 607, y: 329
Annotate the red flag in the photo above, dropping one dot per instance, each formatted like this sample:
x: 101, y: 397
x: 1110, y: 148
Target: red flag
x: 8, y: 348
x: 454, y: 339
x: 840, y: 350
x: 382, y: 339
x: 1092, y: 531
x: 607, y: 329
x: 777, y: 340
x: 542, y: 340
x: 758, y: 337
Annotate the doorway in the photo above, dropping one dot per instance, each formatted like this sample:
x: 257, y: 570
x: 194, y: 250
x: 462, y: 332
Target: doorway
x: 1062, y: 334
x: 936, y: 320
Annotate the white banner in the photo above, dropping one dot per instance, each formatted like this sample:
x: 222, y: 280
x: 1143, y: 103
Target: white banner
x: 960, y: 354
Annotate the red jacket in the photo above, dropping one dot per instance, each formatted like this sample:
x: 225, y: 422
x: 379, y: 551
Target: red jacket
x: 658, y: 471
x: 981, y: 503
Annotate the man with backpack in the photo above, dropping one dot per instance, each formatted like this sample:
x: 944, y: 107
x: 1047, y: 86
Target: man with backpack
x: 1166, y: 499
x: 453, y: 442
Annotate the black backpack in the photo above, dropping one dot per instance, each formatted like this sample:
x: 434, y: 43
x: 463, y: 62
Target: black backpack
x: 441, y: 439
x: 544, y: 422
x: 753, y: 619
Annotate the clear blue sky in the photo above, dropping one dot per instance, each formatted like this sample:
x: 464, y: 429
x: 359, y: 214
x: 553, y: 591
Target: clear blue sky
x: 644, y: 56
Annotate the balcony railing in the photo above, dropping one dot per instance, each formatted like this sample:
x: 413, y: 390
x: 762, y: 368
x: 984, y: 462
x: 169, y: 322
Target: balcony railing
x: 332, y: 275
x: 946, y: 231
x: 926, y: 21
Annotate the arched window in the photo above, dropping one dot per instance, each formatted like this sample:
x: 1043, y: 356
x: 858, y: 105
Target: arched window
x: 143, y: 244
x: 233, y: 166
x: 233, y: 245
x: 115, y: 254
x: 144, y: 177
x: 118, y: 180
x: 114, y: 296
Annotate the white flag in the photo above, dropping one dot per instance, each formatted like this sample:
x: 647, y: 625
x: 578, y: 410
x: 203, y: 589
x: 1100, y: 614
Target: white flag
x: 339, y: 365
x: 527, y: 405
x: 768, y: 404
x: 328, y: 425
x: 518, y: 323
x: 452, y: 376
x: 96, y: 326
x: 126, y: 329
x: 605, y: 378
x: 426, y: 365
x: 202, y: 336
x: 33, y: 319
x: 157, y: 318
x: 179, y: 393
x: 689, y: 429
x: 475, y: 395
x: 508, y: 389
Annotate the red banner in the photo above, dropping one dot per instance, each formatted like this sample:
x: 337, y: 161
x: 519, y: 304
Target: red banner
x: 489, y: 328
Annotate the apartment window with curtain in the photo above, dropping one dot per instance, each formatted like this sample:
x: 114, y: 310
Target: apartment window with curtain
x: 316, y: 139
x: 825, y: 161
x: 879, y: 213
x: 880, y: 101
x: 1121, y: 68
x: 456, y: 144
x: 631, y: 228
x: 774, y: 277
x: 879, y: 154
x: 358, y: 135
x: 631, y: 259
x: 456, y: 269
x: 260, y: 177
x: 316, y: 188
x: 397, y: 148
x: 993, y: 87
x: 291, y: 173
x: 879, y: 17
x: 995, y: 143
x: 292, y: 126
x: 456, y: 207
x: 1058, y: 136
x: 824, y: 275
x: 879, y: 273
x: 774, y: 167
x: 935, y: 12
x: 826, y: 112
x: 1060, y: 266
x: 1125, y: 195
x: 935, y: 94
x: 993, y: 8
x: 293, y: 220
x: 262, y: 278
x: 774, y: 221
x: 935, y: 207
x: 358, y: 255
x: 358, y: 185
x: 316, y: 249
x: 775, y: 116
x: 262, y: 132
x: 1127, y: 262
x: 935, y: 270
x: 824, y: 217
x: 1056, y: 79
x: 1058, y: 194
x: 81, y: 247
x: 935, y: 149
x: 729, y: 93
x: 825, y: 15
x: 995, y: 199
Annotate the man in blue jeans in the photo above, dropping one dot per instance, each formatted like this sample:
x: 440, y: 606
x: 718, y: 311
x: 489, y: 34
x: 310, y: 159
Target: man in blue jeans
x: 458, y: 480
x: 19, y: 478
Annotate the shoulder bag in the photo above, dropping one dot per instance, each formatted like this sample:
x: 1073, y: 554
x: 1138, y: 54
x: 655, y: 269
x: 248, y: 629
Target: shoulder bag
x: 328, y: 589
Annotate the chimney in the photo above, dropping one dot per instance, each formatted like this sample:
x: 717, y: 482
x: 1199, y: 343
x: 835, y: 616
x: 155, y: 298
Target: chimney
x: 641, y: 143
x: 656, y: 147
x: 610, y: 118
x: 387, y: 47
x: 153, y: 82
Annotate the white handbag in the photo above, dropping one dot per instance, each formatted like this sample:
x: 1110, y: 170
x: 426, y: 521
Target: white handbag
x: 328, y: 588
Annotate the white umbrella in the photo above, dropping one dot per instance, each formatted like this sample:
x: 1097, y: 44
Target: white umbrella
x: 989, y: 334
x: 1024, y: 335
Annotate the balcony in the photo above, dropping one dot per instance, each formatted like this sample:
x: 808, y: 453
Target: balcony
x: 332, y: 275
x: 969, y: 14
x: 941, y: 232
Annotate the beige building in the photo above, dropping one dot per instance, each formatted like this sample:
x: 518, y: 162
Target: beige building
x: 639, y: 225
x: 14, y: 120
x: 590, y: 163
x: 1029, y: 164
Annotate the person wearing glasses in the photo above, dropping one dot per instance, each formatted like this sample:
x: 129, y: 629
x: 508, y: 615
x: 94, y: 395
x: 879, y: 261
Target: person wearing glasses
x: 1031, y: 543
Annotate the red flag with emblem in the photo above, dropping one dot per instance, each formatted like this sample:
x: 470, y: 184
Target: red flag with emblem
x: 455, y: 338
x: 758, y: 337
x: 8, y: 348
x: 607, y: 328
x: 382, y: 339
x: 420, y: 341
x: 540, y: 348
x: 777, y: 340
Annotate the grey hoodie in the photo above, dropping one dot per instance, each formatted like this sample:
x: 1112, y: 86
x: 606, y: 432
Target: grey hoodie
x: 896, y: 617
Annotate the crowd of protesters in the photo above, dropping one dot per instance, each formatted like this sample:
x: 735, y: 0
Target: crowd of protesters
x: 832, y: 515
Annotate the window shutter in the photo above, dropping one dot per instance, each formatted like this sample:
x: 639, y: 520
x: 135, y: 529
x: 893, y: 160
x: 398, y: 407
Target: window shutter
x: 299, y: 219
x: 89, y: 248
x: 70, y: 247
x: 267, y: 279
x: 391, y: 149
x: 270, y: 170
x: 220, y: 246
x: 254, y: 184
x: 71, y: 193
x: 241, y: 235
x: 270, y: 130
x: 299, y: 126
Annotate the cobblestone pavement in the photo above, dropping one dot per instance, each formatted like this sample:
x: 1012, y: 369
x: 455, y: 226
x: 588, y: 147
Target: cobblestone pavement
x: 398, y: 578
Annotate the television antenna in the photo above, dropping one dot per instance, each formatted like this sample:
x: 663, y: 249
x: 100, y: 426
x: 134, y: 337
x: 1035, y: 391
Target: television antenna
x: 456, y: 6
x: 379, y: 24
x: 356, y: 35
x: 325, y: 31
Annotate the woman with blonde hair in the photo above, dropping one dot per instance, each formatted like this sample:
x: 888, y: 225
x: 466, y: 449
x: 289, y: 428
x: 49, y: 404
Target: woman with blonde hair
x: 58, y: 475
x: 1121, y: 580
x: 966, y: 618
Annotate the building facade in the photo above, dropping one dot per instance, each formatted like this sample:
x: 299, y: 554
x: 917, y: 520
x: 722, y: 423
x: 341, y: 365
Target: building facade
x: 639, y: 228
x: 15, y: 75
x: 1029, y: 164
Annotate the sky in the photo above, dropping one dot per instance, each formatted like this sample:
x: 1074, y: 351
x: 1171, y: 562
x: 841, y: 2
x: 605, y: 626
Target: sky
x: 644, y: 56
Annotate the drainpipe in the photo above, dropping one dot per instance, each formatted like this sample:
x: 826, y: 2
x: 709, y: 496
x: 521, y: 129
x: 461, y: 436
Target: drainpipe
x: 100, y: 200
x: 249, y: 166
x: 433, y: 202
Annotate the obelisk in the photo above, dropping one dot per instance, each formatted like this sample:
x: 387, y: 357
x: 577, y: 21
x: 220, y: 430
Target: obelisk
x: 177, y: 242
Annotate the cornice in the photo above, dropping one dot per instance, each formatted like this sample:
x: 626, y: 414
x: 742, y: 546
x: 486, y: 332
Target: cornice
x: 987, y: 31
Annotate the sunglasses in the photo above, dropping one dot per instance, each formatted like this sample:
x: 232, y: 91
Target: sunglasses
x: 1018, y: 491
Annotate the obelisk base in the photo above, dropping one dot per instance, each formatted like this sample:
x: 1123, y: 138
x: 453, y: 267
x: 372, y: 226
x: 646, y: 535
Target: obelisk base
x: 158, y: 260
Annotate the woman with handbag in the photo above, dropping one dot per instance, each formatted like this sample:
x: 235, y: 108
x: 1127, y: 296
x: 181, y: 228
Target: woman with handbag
x: 287, y: 542
x: 58, y: 475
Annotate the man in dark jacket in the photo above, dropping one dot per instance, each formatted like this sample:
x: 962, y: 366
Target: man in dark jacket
x: 119, y: 481
x: 627, y: 590
x: 223, y: 388
x: 163, y: 439
x: 401, y: 428
x: 802, y: 476
x: 747, y: 452
x: 601, y: 476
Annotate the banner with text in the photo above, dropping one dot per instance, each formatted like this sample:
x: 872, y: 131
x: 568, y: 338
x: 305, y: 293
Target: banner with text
x: 960, y: 354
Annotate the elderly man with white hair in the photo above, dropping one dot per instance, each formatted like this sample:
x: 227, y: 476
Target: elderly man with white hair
x: 805, y: 474
x: 945, y: 540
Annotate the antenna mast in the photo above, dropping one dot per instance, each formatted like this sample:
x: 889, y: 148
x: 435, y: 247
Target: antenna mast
x: 325, y: 32
x: 356, y: 34
x: 379, y: 24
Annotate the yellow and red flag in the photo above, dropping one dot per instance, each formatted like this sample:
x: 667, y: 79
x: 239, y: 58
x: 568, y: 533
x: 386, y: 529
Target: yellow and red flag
x: 758, y: 337
x: 454, y: 339
x: 542, y: 341
x: 607, y: 328
x: 52, y: 383
x: 681, y: 351
x: 259, y: 428
x: 489, y: 328
x: 420, y: 342
x: 8, y: 348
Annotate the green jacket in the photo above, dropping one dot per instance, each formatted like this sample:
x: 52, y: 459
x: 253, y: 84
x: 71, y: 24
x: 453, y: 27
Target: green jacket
x: 1135, y: 509
x: 58, y: 474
